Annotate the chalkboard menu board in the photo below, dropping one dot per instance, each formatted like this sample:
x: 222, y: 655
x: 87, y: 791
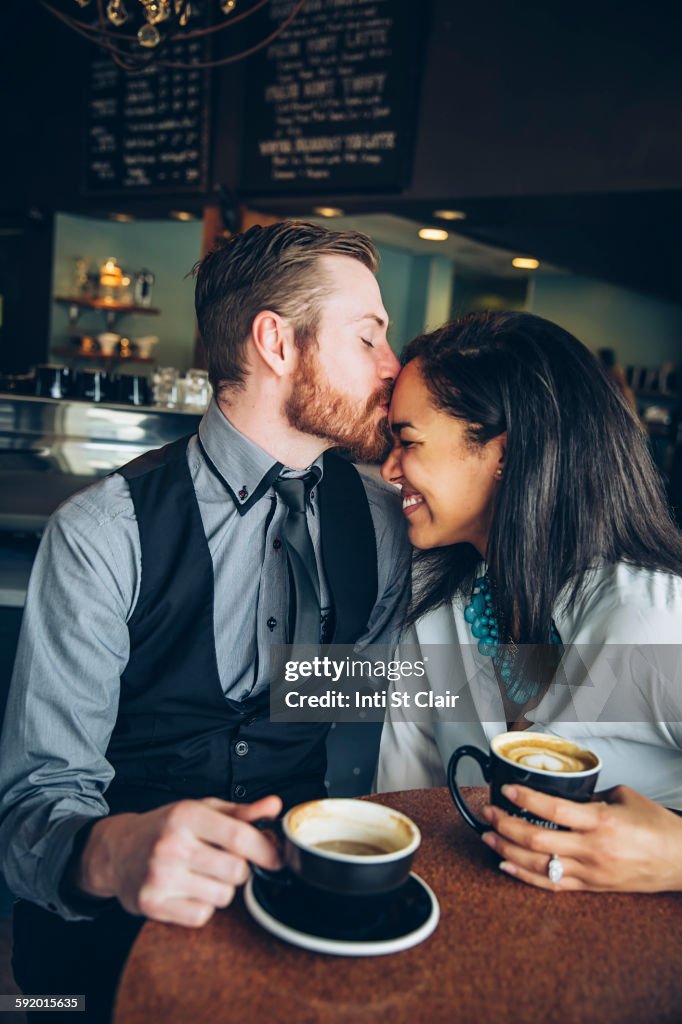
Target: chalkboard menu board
x: 148, y: 132
x: 330, y: 104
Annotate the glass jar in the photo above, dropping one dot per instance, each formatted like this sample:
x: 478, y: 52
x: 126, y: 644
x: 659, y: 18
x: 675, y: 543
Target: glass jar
x: 196, y: 391
x: 165, y: 387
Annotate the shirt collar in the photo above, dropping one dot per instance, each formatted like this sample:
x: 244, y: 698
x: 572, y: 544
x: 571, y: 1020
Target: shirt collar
x: 245, y: 469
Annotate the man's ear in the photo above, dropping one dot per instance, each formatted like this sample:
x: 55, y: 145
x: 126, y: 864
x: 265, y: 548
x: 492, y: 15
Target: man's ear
x: 272, y: 338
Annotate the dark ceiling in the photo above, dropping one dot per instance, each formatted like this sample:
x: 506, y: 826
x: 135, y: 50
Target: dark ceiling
x: 630, y: 239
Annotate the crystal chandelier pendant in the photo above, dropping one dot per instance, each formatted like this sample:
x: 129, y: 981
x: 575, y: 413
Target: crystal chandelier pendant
x: 82, y: 3
x: 227, y: 6
x: 157, y: 11
x: 149, y: 36
x: 116, y: 13
x: 185, y: 15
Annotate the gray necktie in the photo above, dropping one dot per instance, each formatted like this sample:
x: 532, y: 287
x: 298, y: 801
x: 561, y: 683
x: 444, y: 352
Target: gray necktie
x: 301, y: 558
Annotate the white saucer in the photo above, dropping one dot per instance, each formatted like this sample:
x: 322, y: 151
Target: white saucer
x: 412, y: 915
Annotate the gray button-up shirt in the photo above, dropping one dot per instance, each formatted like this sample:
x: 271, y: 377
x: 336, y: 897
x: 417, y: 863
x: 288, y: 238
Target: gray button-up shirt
x: 74, y: 642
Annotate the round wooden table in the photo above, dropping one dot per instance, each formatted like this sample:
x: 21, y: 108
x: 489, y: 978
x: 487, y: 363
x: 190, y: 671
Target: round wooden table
x: 503, y: 952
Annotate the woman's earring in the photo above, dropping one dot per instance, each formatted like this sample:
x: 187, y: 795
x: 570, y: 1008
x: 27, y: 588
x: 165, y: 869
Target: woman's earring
x: 498, y: 473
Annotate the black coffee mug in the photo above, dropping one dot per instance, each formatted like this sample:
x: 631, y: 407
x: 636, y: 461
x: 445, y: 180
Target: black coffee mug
x: 321, y: 842
x: 93, y: 385
x: 131, y: 389
x: 53, y: 381
x: 540, y: 762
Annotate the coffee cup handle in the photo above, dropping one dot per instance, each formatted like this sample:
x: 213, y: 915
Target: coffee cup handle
x: 484, y: 761
x: 283, y: 876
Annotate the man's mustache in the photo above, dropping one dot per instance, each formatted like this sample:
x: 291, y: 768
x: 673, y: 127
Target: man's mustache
x: 382, y: 396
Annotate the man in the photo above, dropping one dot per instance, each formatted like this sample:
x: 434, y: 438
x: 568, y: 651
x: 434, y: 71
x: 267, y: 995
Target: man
x: 137, y: 744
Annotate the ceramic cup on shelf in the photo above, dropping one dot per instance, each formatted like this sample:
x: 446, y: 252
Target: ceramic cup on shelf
x: 107, y: 342
x: 145, y: 345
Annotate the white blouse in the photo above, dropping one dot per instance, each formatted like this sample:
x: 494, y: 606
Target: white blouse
x: 620, y: 693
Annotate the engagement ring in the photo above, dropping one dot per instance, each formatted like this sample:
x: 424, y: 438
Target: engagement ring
x: 555, y: 869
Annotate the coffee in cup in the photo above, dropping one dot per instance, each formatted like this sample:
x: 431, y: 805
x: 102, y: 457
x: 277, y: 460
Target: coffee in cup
x: 344, y: 846
x: 548, y: 763
x: 547, y: 753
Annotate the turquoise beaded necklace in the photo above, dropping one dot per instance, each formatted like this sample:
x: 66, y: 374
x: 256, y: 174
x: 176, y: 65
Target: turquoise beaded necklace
x: 481, y: 615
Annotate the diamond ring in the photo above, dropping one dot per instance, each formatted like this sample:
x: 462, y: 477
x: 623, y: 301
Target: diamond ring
x: 555, y: 869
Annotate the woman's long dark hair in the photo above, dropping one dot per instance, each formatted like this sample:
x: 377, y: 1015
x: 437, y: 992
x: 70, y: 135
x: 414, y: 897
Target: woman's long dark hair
x: 579, y: 487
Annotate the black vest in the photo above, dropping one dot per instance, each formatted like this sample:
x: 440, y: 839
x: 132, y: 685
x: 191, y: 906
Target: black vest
x: 176, y: 735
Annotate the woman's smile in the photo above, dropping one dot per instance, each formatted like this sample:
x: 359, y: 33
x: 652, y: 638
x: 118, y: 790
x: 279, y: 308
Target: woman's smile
x: 411, y: 502
x: 439, y: 469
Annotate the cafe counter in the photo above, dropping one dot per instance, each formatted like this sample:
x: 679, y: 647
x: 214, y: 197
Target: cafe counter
x: 49, y: 449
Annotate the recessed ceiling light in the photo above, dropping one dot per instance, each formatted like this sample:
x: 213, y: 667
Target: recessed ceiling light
x: 433, y: 234
x: 450, y: 214
x: 121, y: 218
x: 181, y: 215
x: 328, y: 211
x: 525, y: 263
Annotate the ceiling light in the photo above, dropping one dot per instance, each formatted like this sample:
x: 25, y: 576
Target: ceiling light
x: 525, y: 263
x: 433, y: 234
x: 181, y: 215
x: 137, y: 33
x: 121, y: 218
x: 450, y: 214
x: 328, y: 211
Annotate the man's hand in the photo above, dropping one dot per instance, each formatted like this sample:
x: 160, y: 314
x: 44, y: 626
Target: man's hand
x: 180, y: 862
x: 620, y: 842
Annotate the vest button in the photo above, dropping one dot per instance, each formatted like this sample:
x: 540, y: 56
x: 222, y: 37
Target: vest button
x: 271, y: 623
x: 240, y: 792
x: 241, y: 748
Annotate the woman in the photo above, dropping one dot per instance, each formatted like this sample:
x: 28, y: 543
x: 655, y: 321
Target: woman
x: 549, y: 566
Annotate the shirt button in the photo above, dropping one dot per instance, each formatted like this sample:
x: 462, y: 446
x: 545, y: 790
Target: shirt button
x: 271, y: 623
x: 243, y: 494
x: 277, y: 544
x: 241, y: 748
x: 240, y: 792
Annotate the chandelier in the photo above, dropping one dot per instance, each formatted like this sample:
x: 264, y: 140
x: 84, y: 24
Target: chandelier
x: 137, y: 33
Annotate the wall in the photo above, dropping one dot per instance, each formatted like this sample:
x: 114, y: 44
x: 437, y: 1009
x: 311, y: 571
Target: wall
x: 168, y: 248
x: 643, y: 331
x: 416, y: 290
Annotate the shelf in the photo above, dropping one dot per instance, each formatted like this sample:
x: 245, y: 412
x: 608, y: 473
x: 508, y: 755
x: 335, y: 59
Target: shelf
x: 108, y: 306
x: 115, y: 357
x: 112, y: 310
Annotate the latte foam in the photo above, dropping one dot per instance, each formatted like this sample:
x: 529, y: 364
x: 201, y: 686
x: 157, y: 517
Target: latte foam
x: 547, y: 755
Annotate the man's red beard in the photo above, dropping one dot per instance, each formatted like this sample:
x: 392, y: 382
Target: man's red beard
x: 316, y: 407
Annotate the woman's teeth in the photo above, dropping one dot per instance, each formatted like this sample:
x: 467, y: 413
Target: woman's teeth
x: 411, y: 501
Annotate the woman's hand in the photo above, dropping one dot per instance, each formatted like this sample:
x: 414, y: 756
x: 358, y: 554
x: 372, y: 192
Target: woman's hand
x: 620, y: 842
